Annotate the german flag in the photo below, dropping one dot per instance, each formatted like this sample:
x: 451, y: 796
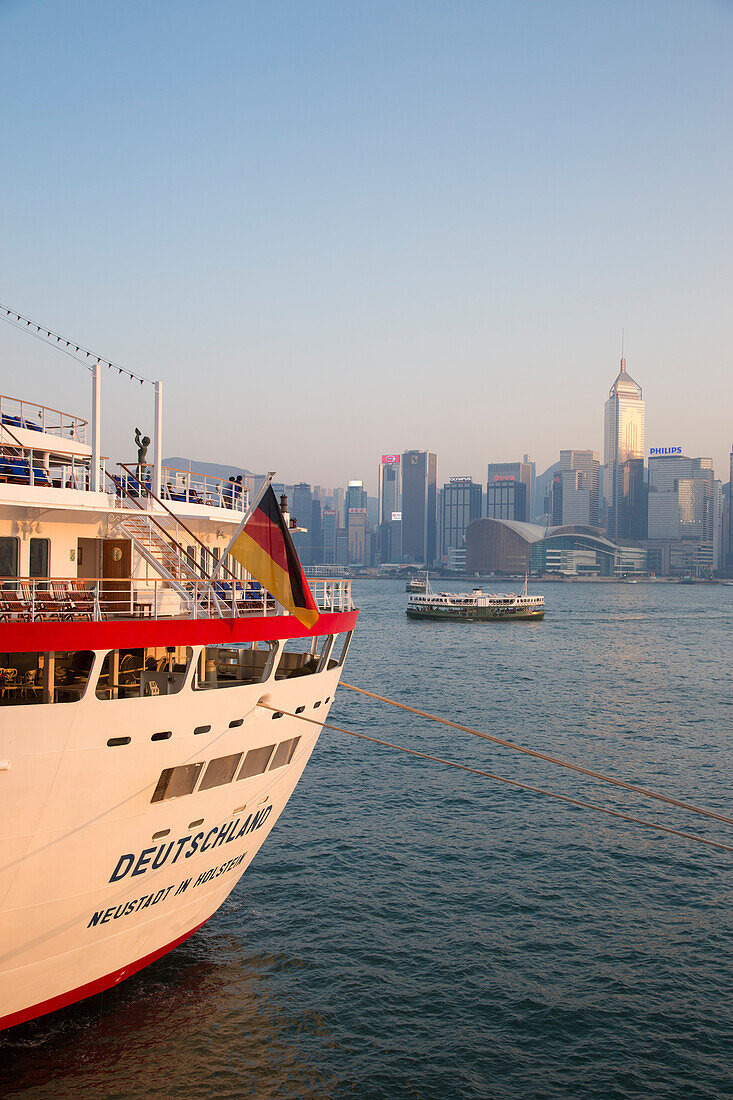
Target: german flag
x: 265, y: 549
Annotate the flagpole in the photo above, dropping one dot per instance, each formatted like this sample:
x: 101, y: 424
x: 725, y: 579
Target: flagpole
x: 253, y: 504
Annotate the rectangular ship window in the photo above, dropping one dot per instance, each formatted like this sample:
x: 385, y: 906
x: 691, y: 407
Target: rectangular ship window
x: 39, y: 555
x: 256, y: 761
x: 141, y: 673
x: 340, y: 648
x: 302, y: 656
x: 59, y: 677
x: 284, y: 753
x: 220, y: 771
x: 231, y: 666
x: 9, y: 556
x: 175, y: 782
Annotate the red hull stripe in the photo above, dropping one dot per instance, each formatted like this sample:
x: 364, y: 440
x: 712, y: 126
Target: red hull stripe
x: 137, y: 633
x: 88, y: 990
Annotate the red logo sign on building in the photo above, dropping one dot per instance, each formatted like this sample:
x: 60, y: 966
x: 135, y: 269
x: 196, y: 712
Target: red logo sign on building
x: 390, y: 460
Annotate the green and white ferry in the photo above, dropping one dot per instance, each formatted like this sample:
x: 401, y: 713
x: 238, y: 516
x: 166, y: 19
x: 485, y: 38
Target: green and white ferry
x: 475, y: 606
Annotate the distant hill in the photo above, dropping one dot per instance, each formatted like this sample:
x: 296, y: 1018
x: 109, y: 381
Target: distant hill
x: 212, y: 469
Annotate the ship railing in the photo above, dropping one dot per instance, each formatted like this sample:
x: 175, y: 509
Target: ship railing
x: 179, y: 486
x: 216, y: 492
x: 17, y: 413
x: 22, y: 465
x: 95, y: 599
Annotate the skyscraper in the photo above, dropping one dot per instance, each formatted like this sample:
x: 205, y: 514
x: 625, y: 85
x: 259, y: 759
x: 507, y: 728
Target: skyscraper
x: 419, y: 506
x: 623, y: 458
x: 356, y: 497
x: 575, y: 489
x: 389, y: 487
x: 509, y: 488
x: 330, y: 525
x: 388, y: 509
x: 460, y: 504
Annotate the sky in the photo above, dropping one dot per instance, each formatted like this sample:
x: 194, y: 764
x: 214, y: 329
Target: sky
x: 341, y: 229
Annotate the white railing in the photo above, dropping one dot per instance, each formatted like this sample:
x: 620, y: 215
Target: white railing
x: 28, y: 466
x: 17, y: 413
x: 38, y: 599
x: 216, y: 492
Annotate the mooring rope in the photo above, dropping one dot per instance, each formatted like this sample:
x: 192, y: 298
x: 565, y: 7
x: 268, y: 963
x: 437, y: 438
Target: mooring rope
x: 690, y: 807
x: 503, y: 779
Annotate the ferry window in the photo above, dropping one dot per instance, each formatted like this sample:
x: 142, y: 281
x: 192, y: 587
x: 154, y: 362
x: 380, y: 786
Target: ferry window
x: 175, y: 782
x: 340, y: 648
x: 256, y: 761
x: 202, y: 561
x: 302, y: 656
x: 232, y: 666
x: 220, y: 771
x: 140, y: 673
x: 191, y: 555
x: 9, y: 557
x: 39, y: 551
x: 58, y: 677
x: 284, y: 753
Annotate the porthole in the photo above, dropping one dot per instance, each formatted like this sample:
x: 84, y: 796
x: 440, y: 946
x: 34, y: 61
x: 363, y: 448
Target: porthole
x: 236, y: 722
x: 277, y: 714
x: 202, y: 729
x: 195, y: 824
x: 114, y: 741
x: 299, y: 710
x: 161, y: 834
x: 161, y: 736
x: 317, y: 704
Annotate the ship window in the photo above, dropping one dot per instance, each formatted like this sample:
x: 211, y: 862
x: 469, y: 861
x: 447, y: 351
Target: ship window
x: 256, y: 761
x: 9, y: 557
x: 340, y: 648
x: 232, y: 666
x: 59, y: 677
x: 39, y: 552
x: 142, y: 673
x: 220, y: 771
x: 284, y: 753
x: 175, y: 782
x: 303, y: 656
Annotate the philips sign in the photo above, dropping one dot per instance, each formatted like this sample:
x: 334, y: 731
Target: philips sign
x: 665, y: 450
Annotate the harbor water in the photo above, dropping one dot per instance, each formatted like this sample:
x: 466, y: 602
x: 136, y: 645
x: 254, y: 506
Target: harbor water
x: 414, y: 931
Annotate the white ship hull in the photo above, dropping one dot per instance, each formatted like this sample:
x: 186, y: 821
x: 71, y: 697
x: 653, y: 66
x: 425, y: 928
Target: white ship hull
x: 82, y: 903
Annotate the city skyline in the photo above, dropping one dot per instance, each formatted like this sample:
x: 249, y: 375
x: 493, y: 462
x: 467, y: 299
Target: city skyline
x: 367, y: 211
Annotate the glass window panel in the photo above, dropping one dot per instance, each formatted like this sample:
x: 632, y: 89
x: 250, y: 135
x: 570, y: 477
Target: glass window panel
x: 39, y: 552
x: 256, y: 761
x: 8, y: 557
x: 220, y: 771
x: 22, y: 679
x: 284, y: 753
x: 230, y: 666
x: 142, y: 673
x: 175, y: 782
x: 301, y: 656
